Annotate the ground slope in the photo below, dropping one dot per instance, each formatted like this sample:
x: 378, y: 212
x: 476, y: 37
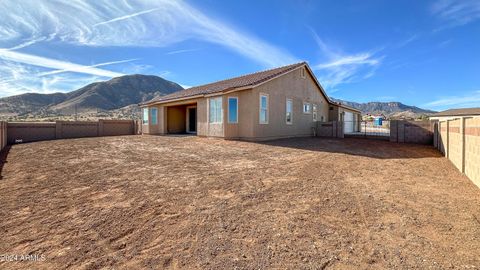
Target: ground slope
x: 153, y: 202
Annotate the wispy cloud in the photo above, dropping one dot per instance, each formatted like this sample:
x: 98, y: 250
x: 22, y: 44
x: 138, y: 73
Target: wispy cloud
x: 408, y: 40
x: 340, y: 68
x: 87, y: 69
x: 470, y: 100
x: 456, y: 12
x: 126, y: 17
x: 61, y: 66
x: 22, y: 73
x: 136, y: 23
x: 181, y: 51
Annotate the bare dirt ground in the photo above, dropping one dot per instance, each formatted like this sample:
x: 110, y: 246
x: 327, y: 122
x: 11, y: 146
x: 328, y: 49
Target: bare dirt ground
x: 150, y: 202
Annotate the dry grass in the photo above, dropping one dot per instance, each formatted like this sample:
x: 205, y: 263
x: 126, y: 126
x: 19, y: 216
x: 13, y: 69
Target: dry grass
x: 186, y: 202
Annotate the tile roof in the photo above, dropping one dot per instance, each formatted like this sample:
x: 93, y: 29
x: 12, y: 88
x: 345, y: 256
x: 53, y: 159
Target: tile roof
x: 459, y: 112
x: 229, y: 84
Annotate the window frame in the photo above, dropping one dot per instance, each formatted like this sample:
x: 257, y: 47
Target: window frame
x: 236, y: 113
x: 260, y: 109
x: 152, y: 109
x: 291, y: 111
x: 303, y: 73
x: 210, y: 99
x: 309, y: 107
x: 314, y: 112
x: 145, y: 120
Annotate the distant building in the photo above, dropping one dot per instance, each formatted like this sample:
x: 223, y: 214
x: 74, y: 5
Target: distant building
x: 455, y: 114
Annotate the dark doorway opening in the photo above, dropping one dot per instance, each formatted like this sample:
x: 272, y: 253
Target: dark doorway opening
x: 192, y: 120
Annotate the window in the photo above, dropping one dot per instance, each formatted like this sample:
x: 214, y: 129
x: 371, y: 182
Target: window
x: 263, y: 109
x: 215, y: 113
x: 233, y: 110
x: 145, y: 116
x: 153, y: 115
x: 314, y: 113
x: 289, y: 112
x: 307, y: 107
x: 303, y: 73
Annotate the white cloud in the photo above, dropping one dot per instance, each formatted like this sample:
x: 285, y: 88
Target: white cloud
x: 457, y: 12
x: 126, y: 16
x: 22, y: 73
x: 470, y: 100
x: 181, y: 51
x: 157, y: 23
x: 88, y: 69
x: 62, y: 66
x: 340, y: 68
x: 17, y: 78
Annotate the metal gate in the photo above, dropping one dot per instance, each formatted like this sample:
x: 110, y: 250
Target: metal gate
x: 367, y: 129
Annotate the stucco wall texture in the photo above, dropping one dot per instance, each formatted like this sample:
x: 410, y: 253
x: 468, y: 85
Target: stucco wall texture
x: 288, y: 86
x: 459, y: 141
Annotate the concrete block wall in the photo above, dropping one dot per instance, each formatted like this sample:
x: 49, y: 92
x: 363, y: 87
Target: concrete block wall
x: 459, y: 141
x: 402, y: 131
x: 472, y: 149
x: 42, y: 131
x: 333, y: 129
x: 455, y: 144
x: 3, y: 135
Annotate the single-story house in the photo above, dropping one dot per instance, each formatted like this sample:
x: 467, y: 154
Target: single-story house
x: 455, y: 114
x: 276, y: 103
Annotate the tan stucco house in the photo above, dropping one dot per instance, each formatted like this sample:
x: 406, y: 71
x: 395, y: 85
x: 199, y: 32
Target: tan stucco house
x: 277, y: 103
x: 455, y: 114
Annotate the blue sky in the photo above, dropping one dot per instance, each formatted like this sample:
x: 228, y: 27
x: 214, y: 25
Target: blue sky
x: 423, y: 53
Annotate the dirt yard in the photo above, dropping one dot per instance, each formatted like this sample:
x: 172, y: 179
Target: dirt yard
x: 156, y: 202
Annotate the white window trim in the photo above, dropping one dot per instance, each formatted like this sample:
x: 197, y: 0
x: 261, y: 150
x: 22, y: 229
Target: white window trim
x: 260, y: 109
x: 303, y: 73
x: 150, y: 118
x: 228, y: 107
x: 221, y: 110
x: 309, y: 106
x: 286, y: 110
x: 314, y: 112
x: 147, y: 122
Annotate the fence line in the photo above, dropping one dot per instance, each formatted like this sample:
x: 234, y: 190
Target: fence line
x: 459, y: 141
x: 3, y: 135
x: 404, y: 131
x: 41, y: 131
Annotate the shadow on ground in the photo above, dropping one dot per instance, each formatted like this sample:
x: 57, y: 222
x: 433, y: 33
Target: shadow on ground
x: 359, y: 147
x: 3, y: 158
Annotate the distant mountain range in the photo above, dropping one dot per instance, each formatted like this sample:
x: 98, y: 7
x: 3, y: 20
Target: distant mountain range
x: 394, y: 110
x: 99, y: 97
x: 118, y: 98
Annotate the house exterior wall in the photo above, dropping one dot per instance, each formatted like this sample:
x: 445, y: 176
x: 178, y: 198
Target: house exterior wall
x: 292, y: 86
x: 176, y: 119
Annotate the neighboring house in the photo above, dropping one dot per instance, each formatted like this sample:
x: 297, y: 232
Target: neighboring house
x: 277, y: 103
x: 455, y: 114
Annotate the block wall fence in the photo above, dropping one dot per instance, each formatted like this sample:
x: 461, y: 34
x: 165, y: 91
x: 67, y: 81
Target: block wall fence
x: 42, y: 131
x: 403, y: 131
x: 459, y: 141
x: 331, y: 129
x: 3, y: 135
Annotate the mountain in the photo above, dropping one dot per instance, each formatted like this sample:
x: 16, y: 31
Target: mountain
x: 96, y: 97
x: 390, y: 109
